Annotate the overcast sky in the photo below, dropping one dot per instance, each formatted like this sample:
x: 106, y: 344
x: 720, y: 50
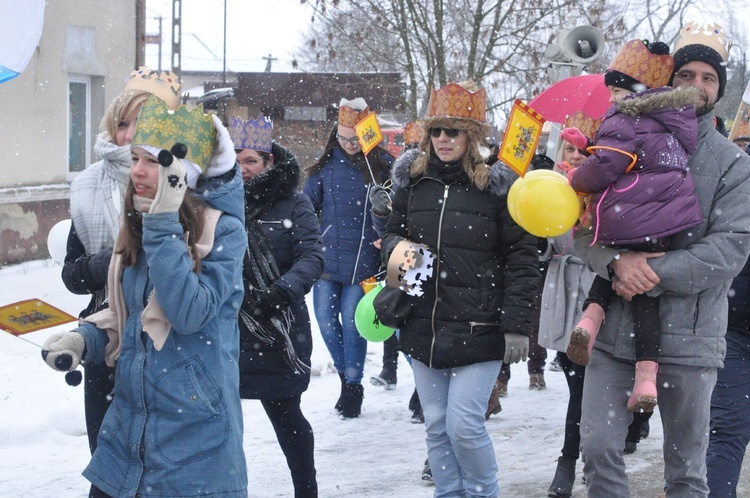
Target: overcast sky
x: 255, y: 29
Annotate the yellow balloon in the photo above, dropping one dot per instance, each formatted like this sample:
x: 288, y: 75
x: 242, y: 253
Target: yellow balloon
x: 546, y: 206
x: 520, y: 182
x: 512, y: 194
x: 545, y: 173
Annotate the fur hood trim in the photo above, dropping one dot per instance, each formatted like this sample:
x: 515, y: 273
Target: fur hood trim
x: 401, y: 168
x: 275, y: 182
x: 659, y: 98
x: 501, y: 177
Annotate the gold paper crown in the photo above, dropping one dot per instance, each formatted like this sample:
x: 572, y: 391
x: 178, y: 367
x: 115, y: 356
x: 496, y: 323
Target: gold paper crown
x: 710, y: 35
x: 256, y: 134
x: 349, y: 116
x: 635, y: 60
x: 413, y: 133
x: 583, y: 122
x: 165, y: 84
x: 455, y: 101
x: 162, y: 128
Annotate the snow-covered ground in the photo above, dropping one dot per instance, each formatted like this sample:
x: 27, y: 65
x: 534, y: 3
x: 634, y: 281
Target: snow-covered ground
x: 43, y: 445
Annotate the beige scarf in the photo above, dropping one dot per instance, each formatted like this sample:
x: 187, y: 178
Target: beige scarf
x: 154, y: 323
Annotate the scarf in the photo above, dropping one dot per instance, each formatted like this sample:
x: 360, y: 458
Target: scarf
x: 448, y: 172
x: 153, y: 321
x: 96, y: 196
x: 260, y: 271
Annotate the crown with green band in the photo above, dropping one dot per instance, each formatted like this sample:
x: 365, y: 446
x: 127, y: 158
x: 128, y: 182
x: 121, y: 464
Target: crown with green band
x: 160, y: 127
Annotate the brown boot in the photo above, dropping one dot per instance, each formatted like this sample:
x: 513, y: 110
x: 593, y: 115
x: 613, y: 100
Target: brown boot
x: 536, y: 382
x: 493, y: 404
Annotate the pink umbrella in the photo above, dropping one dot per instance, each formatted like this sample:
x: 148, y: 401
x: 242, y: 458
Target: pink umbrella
x: 586, y: 93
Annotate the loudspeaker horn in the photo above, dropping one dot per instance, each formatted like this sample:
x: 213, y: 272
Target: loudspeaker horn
x: 583, y: 44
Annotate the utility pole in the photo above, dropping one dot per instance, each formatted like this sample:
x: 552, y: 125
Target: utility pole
x: 269, y: 60
x: 177, y: 37
x: 224, y: 72
x: 140, y: 33
x: 155, y: 39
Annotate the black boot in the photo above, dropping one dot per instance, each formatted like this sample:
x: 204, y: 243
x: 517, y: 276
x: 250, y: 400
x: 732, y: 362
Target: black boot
x: 337, y: 407
x: 565, y: 477
x: 417, y: 416
x: 351, y: 402
x: 387, y: 377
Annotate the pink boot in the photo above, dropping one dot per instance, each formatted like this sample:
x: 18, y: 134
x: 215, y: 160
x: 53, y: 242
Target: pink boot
x: 584, y: 335
x: 644, y: 389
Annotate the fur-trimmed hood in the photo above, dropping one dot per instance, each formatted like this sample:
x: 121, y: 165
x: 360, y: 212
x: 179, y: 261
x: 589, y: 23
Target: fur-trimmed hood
x: 657, y: 99
x: 501, y: 177
x: 275, y: 182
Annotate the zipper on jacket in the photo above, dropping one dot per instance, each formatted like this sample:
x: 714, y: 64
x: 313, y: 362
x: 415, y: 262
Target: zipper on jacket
x: 436, y: 270
x: 361, y: 237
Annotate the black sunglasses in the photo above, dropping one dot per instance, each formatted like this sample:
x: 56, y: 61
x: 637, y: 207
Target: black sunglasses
x: 449, y: 132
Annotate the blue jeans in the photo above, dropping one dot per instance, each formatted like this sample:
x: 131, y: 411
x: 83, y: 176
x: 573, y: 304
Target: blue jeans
x: 460, y: 451
x: 730, y: 417
x: 348, y: 349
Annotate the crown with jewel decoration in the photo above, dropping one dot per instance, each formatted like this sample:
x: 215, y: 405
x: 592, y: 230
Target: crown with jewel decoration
x: 163, y: 84
x: 455, y: 101
x: 710, y: 35
x: 161, y: 127
x: 413, y: 133
x: 351, y: 112
x: 255, y: 134
x: 588, y: 125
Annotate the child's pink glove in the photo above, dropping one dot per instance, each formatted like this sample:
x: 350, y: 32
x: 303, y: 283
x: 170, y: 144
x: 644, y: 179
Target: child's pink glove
x: 574, y: 136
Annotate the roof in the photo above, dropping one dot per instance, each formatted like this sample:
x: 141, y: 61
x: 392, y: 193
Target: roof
x: 382, y: 91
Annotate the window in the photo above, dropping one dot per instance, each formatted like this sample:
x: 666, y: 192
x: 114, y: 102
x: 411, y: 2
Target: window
x: 79, y: 123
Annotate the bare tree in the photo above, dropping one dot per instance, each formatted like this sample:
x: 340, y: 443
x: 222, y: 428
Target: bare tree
x: 499, y: 43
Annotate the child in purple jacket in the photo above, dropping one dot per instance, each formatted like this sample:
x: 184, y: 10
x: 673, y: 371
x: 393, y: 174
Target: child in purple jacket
x: 641, y: 191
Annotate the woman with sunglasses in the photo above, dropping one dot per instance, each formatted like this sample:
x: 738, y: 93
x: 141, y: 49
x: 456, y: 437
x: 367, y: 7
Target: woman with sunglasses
x: 476, y: 308
x: 338, y: 184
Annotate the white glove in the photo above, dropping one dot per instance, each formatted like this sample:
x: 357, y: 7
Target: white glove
x: 64, y: 351
x: 516, y: 348
x: 224, y: 156
x: 172, y: 184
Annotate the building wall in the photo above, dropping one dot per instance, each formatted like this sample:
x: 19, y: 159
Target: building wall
x: 91, y: 38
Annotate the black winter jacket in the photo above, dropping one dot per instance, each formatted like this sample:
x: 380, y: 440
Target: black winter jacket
x: 486, y: 267
x: 289, y: 221
x: 85, y: 273
x: 739, y: 296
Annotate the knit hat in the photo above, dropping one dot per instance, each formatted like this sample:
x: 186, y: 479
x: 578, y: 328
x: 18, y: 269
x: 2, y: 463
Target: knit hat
x: 705, y: 44
x: 352, y: 112
x: 702, y: 53
x: 638, y: 64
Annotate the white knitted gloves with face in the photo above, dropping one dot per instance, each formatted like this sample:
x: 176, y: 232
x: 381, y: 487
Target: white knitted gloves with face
x: 172, y: 181
x: 64, y: 351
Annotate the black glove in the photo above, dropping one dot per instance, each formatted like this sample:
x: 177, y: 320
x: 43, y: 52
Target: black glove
x: 270, y: 303
x: 380, y: 200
